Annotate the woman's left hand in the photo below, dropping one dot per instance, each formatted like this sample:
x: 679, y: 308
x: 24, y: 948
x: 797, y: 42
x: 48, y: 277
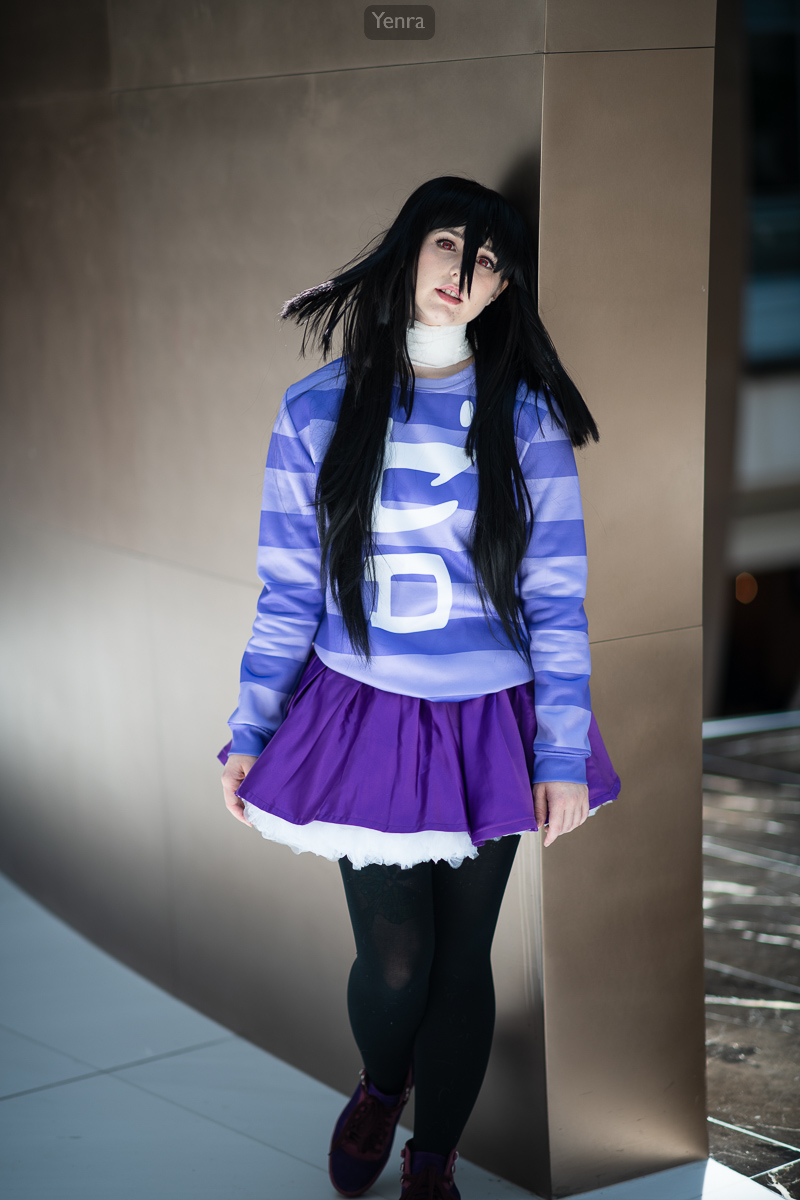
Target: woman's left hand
x: 566, y: 805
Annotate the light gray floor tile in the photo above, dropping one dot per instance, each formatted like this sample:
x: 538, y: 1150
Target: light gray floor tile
x: 242, y: 1086
x: 239, y: 1085
x: 27, y: 1064
x: 721, y: 1183
x: 694, y: 1181
x: 103, y: 1138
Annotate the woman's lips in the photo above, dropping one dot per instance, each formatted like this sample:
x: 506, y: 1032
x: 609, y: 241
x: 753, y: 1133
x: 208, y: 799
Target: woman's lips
x: 448, y: 296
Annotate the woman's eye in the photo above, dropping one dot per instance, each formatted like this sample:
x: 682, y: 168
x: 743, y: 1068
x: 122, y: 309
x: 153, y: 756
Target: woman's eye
x: 445, y: 242
x: 486, y: 262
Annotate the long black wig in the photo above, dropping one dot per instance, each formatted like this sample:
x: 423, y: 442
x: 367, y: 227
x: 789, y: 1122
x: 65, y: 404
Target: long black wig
x: 371, y: 299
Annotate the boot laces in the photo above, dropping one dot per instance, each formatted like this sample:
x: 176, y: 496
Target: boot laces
x: 368, y: 1126
x: 427, y: 1184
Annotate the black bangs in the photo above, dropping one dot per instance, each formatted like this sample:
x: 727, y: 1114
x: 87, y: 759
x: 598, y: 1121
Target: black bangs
x: 450, y: 202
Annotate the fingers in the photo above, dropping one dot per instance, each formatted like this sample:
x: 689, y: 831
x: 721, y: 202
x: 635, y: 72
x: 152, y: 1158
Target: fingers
x: 565, y: 820
x: 540, y: 803
x: 567, y: 807
x: 235, y: 805
x: 236, y: 768
x: 556, y: 825
x: 238, y: 812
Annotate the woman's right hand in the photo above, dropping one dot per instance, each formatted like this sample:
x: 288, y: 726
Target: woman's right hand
x: 236, y: 768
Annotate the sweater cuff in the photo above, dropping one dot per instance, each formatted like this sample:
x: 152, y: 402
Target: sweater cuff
x: 247, y: 739
x: 553, y: 768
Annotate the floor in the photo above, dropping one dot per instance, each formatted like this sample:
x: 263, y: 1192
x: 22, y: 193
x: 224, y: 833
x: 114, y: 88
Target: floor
x: 109, y: 1087
x: 752, y: 918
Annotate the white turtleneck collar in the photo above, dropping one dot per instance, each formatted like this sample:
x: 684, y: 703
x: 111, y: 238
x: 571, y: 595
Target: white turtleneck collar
x: 437, y: 345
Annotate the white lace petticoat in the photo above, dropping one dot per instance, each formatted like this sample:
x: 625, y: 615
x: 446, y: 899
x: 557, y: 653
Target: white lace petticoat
x: 363, y: 846
x: 366, y: 846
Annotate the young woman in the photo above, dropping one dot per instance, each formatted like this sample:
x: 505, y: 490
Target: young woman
x: 415, y: 694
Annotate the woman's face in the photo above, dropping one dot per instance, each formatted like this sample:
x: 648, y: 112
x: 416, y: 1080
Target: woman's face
x: 438, y: 300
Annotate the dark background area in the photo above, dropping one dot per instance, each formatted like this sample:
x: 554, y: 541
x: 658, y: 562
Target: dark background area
x: 760, y: 667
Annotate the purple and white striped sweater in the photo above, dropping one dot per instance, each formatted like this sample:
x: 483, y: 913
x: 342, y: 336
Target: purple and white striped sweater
x: 428, y: 634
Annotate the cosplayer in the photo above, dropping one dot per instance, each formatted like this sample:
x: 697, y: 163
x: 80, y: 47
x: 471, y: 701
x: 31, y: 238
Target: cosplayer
x: 415, y: 694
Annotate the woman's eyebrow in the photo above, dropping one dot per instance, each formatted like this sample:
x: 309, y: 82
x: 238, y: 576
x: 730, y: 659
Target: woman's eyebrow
x: 460, y: 236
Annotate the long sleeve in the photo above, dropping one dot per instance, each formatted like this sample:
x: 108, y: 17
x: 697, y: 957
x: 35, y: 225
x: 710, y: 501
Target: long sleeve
x: 291, y: 604
x: 552, y: 583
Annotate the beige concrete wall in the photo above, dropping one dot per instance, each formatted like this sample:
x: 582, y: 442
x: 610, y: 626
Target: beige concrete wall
x: 625, y: 187
x: 161, y: 205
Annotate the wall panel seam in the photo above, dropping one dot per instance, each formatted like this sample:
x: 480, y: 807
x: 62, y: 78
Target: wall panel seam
x: 630, y: 49
x: 170, y: 87
x: 130, y: 553
x: 436, y: 62
x: 204, y: 573
x: 629, y: 637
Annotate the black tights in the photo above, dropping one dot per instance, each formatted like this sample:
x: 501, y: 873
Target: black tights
x: 421, y: 987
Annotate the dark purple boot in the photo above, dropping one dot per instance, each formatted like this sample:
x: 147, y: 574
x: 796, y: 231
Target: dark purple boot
x: 363, y: 1136
x: 428, y: 1176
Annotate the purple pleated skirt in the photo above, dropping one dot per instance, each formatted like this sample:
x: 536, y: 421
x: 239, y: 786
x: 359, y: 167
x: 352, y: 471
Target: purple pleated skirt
x: 351, y: 755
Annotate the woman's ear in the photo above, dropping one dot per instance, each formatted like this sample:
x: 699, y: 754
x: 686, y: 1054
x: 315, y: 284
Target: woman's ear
x: 502, y: 288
